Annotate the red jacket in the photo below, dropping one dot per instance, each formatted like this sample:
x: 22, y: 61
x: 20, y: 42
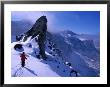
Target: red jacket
x: 23, y: 57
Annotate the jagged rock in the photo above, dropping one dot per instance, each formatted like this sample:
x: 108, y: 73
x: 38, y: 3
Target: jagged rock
x: 29, y: 45
x: 36, y: 39
x: 38, y: 56
x: 68, y: 64
x: 53, y: 54
x: 50, y: 47
x: 19, y: 46
x: 38, y: 29
x: 73, y: 71
x: 19, y: 37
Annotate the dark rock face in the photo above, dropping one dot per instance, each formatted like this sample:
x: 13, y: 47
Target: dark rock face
x: 29, y: 45
x: 19, y: 37
x: 39, y: 28
x: 18, y: 47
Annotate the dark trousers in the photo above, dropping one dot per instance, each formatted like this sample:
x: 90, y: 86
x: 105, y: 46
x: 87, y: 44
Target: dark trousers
x: 23, y: 63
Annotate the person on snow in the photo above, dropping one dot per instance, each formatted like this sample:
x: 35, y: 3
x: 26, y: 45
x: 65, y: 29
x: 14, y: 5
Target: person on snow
x: 23, y: 57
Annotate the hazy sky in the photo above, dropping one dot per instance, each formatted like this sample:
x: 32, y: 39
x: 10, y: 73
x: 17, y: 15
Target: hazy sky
x: 77, y: 21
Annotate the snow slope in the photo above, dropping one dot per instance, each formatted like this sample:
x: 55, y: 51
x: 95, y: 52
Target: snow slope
x: 54, y: 66
x: 36, y: 67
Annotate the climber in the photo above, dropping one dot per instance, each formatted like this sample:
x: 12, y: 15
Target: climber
x: 23, y: 57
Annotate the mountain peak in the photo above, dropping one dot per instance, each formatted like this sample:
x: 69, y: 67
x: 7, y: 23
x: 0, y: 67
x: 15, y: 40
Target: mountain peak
x: 69, y: 32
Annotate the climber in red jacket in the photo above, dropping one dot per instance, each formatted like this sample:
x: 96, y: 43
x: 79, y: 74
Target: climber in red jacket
x: 23, y: 57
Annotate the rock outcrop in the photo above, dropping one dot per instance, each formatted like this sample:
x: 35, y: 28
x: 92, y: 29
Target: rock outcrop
x: 38, y: 29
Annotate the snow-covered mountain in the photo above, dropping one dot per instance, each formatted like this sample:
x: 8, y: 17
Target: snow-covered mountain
x: 71, y: 45
x: 66, y: 52
x: 95, y: 38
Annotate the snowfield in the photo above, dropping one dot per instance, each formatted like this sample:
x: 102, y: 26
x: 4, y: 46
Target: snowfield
x: 54, y: 66
x: 34, y: 66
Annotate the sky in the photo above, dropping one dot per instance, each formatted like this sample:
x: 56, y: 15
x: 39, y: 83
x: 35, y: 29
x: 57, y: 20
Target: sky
x: 86, y: 22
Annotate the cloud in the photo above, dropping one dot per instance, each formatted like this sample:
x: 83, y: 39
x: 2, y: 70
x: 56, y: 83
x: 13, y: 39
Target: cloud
x: 34, y: 15
x: 55, y: 19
